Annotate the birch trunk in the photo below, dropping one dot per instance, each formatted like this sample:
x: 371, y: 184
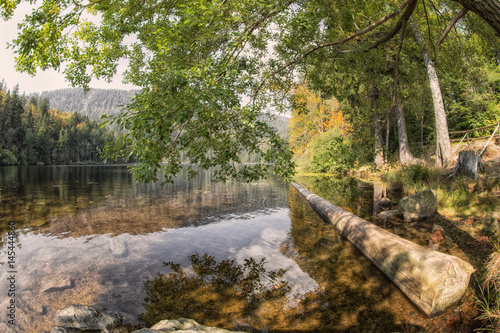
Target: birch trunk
x: 443, y: 148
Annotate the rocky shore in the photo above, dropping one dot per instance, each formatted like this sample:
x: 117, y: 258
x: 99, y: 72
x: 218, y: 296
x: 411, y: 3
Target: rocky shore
x: 83, y: 318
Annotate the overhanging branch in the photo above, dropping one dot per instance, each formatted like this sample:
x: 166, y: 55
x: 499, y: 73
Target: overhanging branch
x: 451, y: 24
x: 402, y: 22
x: 338, y: 42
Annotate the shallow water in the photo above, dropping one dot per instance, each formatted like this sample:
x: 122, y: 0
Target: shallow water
x: 89, y: 235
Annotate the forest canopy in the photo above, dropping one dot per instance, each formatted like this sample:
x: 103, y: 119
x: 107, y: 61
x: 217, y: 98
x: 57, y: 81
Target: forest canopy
x: 211, y: 71
x: 35, y: 134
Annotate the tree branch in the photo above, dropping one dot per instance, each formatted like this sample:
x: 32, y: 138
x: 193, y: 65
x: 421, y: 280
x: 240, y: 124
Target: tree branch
x: 402, y: 22
x: 451, y: 24
x: 337, y: 42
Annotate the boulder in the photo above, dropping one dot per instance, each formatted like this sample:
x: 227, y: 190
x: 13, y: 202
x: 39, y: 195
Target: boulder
x: 386, y: 203
x: 390, y: 214
x: 86, y: 318
x: 418, y: 206
x: 491, y: 224
x: 181, y: 325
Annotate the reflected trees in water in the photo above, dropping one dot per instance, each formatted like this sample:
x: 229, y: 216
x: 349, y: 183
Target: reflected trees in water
x: 218, y: 293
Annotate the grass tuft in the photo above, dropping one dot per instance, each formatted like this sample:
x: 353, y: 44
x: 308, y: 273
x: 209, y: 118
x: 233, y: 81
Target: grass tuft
x: 489, y: 298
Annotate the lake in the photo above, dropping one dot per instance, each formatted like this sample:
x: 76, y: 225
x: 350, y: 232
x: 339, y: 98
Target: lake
x: 90, y: 235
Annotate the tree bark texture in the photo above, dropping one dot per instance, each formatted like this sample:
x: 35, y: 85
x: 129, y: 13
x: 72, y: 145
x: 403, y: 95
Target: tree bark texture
x: 468, y: 164
x: 379, y: 140
x: 405, y: 156
x: 443, y: 149
x: 431, y: 280
x: 488, y: 10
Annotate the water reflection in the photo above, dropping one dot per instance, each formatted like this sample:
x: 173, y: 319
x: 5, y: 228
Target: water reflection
x: 347, y: 192
x: 218, y: 293
x: 73, y: 201
x: 379, y: 193
x: 335, y: 288
x: 364, y: 199
x: 99, y: 235
x: 89, y: 235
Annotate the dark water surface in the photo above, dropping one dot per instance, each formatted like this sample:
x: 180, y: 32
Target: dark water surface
x: 89, y: 235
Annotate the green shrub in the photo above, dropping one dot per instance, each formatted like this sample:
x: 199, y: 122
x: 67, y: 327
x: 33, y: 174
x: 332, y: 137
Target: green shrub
x: 332, y: 153
x: 415, y: 173
x: 7, y: 157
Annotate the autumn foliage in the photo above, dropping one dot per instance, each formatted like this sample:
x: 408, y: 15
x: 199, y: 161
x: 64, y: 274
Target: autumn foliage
x: 311, y: 116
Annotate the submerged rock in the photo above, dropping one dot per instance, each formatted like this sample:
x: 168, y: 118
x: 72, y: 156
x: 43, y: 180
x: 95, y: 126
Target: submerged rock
x: 390, y: 214
x: 5, y: 328
x: 86, y: 318
x: 418, y: 206
x: 83, y: 318
x: 119, y: 248
x: 181, y: 325
x: 386, y: 203
x: 59, y: 284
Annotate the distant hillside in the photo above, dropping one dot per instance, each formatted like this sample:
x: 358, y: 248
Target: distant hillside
x: 110, y: 102
x: 93, y: 104
x: 281, y: 125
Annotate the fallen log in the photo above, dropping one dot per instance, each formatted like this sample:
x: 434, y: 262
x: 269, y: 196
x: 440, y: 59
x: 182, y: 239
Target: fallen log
x: 431, y: 280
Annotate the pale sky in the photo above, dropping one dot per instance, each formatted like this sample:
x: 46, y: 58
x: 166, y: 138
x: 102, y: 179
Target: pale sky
x: 43, y: 80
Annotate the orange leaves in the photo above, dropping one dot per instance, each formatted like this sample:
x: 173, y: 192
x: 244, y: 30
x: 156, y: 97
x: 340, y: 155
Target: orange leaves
x: 312, y: 115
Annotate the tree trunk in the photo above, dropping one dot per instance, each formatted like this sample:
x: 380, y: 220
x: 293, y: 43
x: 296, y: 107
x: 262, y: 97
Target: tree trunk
x: 432, y: 280
x: 405, y: 156
x: 379, y: 140
x: 387, y: 130
x: 468, y: 164
x: 488, y: 10
x: 443, y: 149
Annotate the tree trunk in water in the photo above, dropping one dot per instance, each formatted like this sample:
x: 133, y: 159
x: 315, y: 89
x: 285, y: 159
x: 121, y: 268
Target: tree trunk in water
x: 432, y: 280
x: 443, y: 149
x: 488, y: 10
x: 405, y: 156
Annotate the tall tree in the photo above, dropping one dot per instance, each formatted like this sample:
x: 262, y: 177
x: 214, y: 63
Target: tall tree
x: 443, y: 146
x: 405, y: 156
x: 194, y: 60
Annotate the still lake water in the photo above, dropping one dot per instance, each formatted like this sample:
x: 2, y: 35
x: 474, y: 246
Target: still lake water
x: 89, y: 235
